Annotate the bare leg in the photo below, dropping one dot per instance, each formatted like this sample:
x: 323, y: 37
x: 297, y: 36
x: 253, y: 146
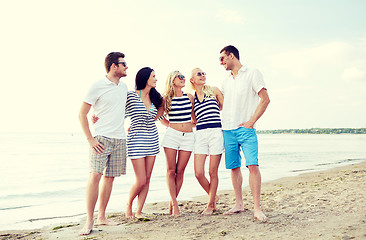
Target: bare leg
x: 199, y: 171
x: 149, y: 165
x: 214, y: 182
x: 175, y: 174
x: 140, y: 174
x: 171, y: 155
x: 105, y: 194
x: 170, y: 207
x: 92, y: 190
x: 255, y: 187
x: 183, y: 158
x: 237, y: 180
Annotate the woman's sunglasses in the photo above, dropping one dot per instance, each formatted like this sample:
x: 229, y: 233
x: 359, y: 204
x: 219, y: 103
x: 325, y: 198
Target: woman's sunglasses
x: 181, y: 77
x: 201, y: 74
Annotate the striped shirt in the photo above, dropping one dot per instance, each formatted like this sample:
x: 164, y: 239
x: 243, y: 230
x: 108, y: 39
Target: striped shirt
x: 207, y: 113
x: 143, y: 137
x: 181, y: 109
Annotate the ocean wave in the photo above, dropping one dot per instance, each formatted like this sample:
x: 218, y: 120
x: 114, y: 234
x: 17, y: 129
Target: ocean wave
x: 17, y: 207
x: 55, y: 217
x: 341, y: 161
x: 329, y: 164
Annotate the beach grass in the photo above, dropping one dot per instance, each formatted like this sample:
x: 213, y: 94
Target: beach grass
x: 64, y: 226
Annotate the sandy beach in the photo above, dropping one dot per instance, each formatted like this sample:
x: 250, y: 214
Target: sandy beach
x: 319, y: 205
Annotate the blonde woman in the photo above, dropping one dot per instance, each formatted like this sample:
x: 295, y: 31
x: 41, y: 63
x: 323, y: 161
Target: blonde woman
x: 178, y: 141
x: 209, y: 140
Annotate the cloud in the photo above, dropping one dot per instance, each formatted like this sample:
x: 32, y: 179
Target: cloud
x: 353, y: 74
x: 301, y: 62
x: 330, y: 62
x: 230, y: 16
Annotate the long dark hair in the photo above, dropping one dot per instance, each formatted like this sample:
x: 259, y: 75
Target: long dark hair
x: 140, y: 83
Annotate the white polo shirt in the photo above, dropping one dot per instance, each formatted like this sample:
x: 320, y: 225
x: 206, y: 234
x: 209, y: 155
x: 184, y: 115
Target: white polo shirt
x: 108, y: 101
x: 240, y: 97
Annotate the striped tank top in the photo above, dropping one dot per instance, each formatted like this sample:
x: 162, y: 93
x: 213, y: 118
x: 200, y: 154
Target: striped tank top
x: 181, y: 109
x: 207, y: 113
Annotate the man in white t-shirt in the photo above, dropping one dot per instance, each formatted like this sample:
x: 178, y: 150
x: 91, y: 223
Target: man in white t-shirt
x: 108, y: 143
x: 245, y: 100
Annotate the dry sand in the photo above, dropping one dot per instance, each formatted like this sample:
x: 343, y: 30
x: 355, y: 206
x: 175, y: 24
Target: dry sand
x: 319, y: 205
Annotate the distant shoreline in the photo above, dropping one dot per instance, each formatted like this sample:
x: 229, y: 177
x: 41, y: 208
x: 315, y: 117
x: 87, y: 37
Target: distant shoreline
x: 315, y: 131
x: 268, y: 131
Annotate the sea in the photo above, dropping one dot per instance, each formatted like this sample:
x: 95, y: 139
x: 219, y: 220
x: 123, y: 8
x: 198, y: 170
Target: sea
x: 44, y: 175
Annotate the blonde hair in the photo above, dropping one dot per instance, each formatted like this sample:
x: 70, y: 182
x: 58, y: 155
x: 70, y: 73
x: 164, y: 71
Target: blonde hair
x: 207, y: 90
x: 169, y: 90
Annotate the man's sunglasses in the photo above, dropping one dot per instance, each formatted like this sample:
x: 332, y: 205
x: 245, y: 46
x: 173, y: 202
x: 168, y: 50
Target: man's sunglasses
x: 181, y: 77
x: 201, y: 74
x: 123, y: 63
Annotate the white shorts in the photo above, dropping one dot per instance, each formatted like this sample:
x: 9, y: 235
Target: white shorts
x: 178, y: 140
x: 209, y: 141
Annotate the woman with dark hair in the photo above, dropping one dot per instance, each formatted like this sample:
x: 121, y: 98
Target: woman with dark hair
x: 143, y: 106
x: 142, y: 140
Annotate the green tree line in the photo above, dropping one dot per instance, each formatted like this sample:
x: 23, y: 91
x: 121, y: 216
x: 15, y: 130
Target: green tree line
x: 316, y: 131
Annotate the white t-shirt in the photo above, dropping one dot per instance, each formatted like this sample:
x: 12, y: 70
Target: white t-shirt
x: 108, y: 101
x: 240, y: 97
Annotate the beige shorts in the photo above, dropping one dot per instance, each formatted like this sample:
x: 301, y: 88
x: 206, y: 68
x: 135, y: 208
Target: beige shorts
x: 112, y: 162
x: 177, y: 140
x: 209, y: 141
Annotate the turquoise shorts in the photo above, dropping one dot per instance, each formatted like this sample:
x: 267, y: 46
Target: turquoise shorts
x: 243, y: 138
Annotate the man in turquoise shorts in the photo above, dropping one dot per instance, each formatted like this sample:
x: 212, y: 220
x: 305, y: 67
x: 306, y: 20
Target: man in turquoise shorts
x: 245, y: 101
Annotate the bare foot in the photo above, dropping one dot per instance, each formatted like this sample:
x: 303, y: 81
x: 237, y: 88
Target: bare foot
x: 176, y: 212
x: 259, y: 215
x: 139, y: 215
x: 129, y: 213
x: 208, y: 211
x: 86, y: 230
x: 107, y: 222
x: 217, y: 199
x: 235, y: 209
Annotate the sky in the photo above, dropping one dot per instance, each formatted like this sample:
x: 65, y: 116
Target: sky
x: 312, y: 55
